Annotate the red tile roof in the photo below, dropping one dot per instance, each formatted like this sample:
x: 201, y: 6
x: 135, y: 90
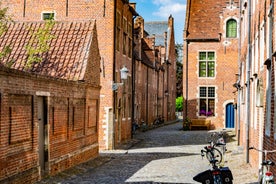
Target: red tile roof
x: 202, y: 19
x: 68, y: 53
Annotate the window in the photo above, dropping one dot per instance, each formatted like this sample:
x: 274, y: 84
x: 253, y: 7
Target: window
x: 231, y: 28
x: 207, y: 101
x: 125, y: 36
x: 118, y: 30
x: 206, y: 64
x: 48, y: 16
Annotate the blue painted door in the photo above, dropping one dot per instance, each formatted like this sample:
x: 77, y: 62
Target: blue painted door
x: 230, y: 116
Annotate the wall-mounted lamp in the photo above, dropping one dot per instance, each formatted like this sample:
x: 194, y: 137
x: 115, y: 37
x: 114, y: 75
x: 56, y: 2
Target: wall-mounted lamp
x: 124, y: 72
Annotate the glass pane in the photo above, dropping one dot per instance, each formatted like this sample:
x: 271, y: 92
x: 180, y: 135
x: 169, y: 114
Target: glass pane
x: 231, y: 30
x: 211, y: 92
x: 211, y: 107
x: 202, y: 107
x: 202, y: 92
x: 202, y: 69
x: 202, y: 56
x: 211, y: 56
x: 211, y: 69
x: 48, y: 16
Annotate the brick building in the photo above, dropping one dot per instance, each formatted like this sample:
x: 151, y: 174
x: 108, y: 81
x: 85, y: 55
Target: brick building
x: 257, y: 79
x: 210, y: 61
x: 114, y: 25
x: 155, y: 65
x: 48, y: 110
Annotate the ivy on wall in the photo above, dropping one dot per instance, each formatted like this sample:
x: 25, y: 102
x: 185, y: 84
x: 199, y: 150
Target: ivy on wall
x: 4, y: 20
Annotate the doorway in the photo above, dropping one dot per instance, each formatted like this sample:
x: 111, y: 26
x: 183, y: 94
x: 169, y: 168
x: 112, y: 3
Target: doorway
x: 230, y: 116
x: 42, y: 134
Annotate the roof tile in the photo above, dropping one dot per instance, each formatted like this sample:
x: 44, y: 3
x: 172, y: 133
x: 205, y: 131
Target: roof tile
x: 67, y: 56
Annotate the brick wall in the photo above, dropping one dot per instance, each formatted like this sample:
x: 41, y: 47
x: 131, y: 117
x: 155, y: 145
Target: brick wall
x: 226, y: 64
x: 259, y: 81
x: 72, y: 126
x: 103, y: 12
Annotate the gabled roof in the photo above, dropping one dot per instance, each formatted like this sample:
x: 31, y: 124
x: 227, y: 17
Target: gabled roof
x: 202, y: 19
x: 67, y: 57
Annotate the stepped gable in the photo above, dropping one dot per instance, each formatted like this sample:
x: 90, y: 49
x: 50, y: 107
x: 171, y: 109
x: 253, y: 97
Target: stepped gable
x: 67, y: 57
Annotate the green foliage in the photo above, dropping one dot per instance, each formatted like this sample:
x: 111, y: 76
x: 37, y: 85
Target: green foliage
x: 39, y: 43
x: 179, y: 103
x: 186, y: 123
x: 4, y: 20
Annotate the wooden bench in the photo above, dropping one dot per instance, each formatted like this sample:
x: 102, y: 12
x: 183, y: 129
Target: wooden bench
x: 200, y: 123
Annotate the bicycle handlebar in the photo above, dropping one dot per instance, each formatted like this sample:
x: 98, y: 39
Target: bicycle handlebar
x: 265, y: 151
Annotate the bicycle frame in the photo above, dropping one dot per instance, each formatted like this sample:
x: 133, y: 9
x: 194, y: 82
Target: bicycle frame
x: 266, y: 176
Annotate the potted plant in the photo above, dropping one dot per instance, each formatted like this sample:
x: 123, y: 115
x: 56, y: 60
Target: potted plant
x: 186, y: 123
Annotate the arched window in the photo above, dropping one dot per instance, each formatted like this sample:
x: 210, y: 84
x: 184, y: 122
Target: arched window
x: 231, y: 28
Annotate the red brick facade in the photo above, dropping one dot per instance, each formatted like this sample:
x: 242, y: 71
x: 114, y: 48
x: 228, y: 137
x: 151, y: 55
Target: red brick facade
x: 114, y: 24
x: 258, y: 127
x: 49, y: 110
x: 155, y: 86
x: 210, y: 62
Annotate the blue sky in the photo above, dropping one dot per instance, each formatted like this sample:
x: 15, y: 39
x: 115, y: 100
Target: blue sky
x: 159, y: 10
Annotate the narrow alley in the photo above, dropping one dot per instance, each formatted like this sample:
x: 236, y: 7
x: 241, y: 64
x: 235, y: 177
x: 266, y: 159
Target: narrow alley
x: 162, y: 155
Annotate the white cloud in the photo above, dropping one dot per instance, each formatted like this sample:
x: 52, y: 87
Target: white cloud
x: 177, y: 10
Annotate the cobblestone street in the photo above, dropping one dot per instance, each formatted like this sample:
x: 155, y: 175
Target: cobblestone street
x: 162, y: 155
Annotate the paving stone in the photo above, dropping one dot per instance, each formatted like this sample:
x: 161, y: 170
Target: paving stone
x: 162, y: 155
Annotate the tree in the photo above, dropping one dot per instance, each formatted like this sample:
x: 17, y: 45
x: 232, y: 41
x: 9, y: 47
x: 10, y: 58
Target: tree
x: 179, y: 104
x: 4, y: 20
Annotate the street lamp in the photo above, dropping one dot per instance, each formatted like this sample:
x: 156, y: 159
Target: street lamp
x: 124, y: 72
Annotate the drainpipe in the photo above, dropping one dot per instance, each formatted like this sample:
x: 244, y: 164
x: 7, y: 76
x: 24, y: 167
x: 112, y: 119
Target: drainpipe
x: 114, y: 75
x: 187, y: 83
x: 239, y: 79
x: 147, y: 98
x: 133, y: 74
x: 248, y: 66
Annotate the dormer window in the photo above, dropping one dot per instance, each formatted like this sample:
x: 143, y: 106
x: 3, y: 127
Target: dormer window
x: 231, y: 28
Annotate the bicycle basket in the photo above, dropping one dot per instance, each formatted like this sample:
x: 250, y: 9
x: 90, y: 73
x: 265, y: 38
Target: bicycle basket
x: 204, y: 177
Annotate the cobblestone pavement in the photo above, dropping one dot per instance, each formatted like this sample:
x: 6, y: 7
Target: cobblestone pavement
x: 163, y: 155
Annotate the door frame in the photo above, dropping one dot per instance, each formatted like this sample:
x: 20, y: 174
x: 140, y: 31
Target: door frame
x: 43, y: 133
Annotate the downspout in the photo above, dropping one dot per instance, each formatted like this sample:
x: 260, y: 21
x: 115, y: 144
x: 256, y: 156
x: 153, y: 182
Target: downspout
x: 239, y: 79
x: 248, y: 66
x: 163, y: 95
x: 147, y: 98
x: 133, y: 74
x: 157, y: 91
x: 114, y: 74
x: 187, y: 83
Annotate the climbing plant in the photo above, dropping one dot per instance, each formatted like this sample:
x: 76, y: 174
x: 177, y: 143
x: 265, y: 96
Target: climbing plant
x: 39, y: 42
x: 4, y: 20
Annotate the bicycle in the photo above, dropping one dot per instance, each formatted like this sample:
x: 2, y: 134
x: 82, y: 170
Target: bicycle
x: 212, y: 153
x: 218, y: 139
x: 215, y: 175
x: 265, y: 176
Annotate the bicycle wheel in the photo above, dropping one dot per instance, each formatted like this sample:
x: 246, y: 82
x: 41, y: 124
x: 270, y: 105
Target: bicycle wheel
x: 214, y: 153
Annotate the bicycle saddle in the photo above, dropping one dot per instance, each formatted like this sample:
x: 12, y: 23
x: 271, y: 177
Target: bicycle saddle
x: 220, y: 144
